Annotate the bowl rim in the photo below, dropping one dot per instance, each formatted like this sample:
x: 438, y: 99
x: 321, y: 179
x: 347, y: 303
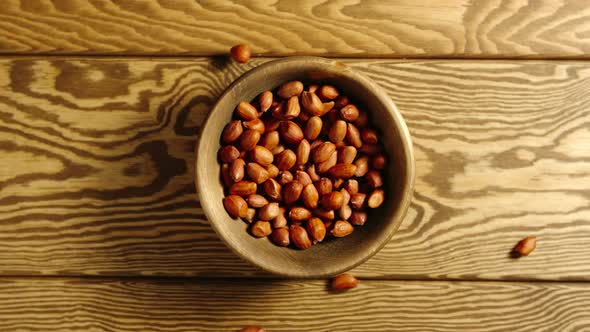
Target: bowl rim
x: 400, y: 124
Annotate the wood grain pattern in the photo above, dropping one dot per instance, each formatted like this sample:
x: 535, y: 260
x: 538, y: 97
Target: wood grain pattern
x: 394, y: 28
x: 117, y: 305
x: 97, y: 171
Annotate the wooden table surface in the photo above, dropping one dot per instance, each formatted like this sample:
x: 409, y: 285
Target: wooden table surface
x: 102, y: 101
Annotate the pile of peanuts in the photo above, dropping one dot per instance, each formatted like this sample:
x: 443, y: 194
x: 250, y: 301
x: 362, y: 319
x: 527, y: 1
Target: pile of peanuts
x: 300, y: 164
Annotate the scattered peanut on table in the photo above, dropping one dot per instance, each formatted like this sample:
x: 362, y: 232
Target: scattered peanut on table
x: 344, y: 281
x: 525, y: 246
x: 241, y: 53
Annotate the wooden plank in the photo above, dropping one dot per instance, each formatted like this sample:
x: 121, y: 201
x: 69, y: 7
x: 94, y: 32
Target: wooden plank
x: 393, y: 28
x: 98, y: 163
x: 139, y: 305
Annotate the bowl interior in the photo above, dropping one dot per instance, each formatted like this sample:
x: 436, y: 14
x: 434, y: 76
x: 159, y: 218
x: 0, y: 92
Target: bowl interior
x: 331, y: 256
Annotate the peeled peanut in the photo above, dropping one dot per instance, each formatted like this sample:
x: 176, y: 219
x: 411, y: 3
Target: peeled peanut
x: 241, y: 53
x: 328, y: 92
x: 299, y: 214
x: 265, y: 100
x: 236, y: 170
x: 310, y: 196
x: 236, y: 206
x: 262, y: 155
x: 290, y: 89
x: 286, y: 159
x: 243, y: 188
x: 261, y: 229
x: 270, y: 140
x: 285, y: 177
x: 353, y: 136
x: 290, y: 132
x: 229, y: 153
x: 316, y: 229
x: 299, y: 237
x: 232, y: 131
x: 313, y: 128
x: 344, y: 281
x: 256, y: 201
x: 526, y: 246
x: 302, y: 153
x: 280, y: 236
x: 346, y: 155
x: 302, y: 177
x: 376, y: 198
x: 257, y: 173
x: 333, y: 200
x: 337, y: 132
x: 349, y: 113
x: 292, y: 192
x: 246, y: 111
x: 342, y: 228
x: 269, y: 211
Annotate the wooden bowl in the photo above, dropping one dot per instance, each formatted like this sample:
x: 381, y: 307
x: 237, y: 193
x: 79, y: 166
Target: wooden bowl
x: 332, y: 256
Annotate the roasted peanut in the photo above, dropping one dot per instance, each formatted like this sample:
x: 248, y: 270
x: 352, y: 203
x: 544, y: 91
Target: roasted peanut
x: 316, y: 229
x: 291, y: 132
x: 243, y: 188
x: 265, y: 100
x: 232, y: 131
x: 256, y: 201
x: 299, y: 237
x: 310, y: 196
x: 246, y: 111
x: 249, y: 139
x: 376, y: 198
x: 299, y: 213
x: 333, y: 200
x: 256, y: 124
x: 270, y: 140
x: 290, y: 89
x: 337, y: 132
x: 358, y: 218
x: 269, y: 211
x: 261, y: 228
x: 349, y: 113
x: 236, y: 170
x: 346, y: 155
x: 328, y: 92
x: 525, y: 246
x: 344, y: 281
x: 229, y: 153
x: 236, y: 206
x: 303, y: 150
x: 272, y: 189
x: 280, y: 236
x: 285, y: 177
x: 262, y: 155
x: 286, y: 159
x: 342, y: 228
x: 374, y: 179
x: 292, y: 192
x: 241, y: 53
x: 313, y: 128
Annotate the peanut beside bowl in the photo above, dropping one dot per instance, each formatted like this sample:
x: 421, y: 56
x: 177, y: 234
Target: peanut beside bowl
x: 332, y: 257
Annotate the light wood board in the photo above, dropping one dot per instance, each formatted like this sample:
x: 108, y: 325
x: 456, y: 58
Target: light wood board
x: 138, y: 305
x: 376, y: 28
x: 98, y: 159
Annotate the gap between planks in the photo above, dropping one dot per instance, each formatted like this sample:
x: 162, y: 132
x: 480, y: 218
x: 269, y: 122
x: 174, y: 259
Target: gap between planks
x: 138, y: 56
x: 209, y: 279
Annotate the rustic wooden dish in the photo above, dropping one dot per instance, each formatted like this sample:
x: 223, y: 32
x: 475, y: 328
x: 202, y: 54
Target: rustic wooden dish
x: 331, y: 256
